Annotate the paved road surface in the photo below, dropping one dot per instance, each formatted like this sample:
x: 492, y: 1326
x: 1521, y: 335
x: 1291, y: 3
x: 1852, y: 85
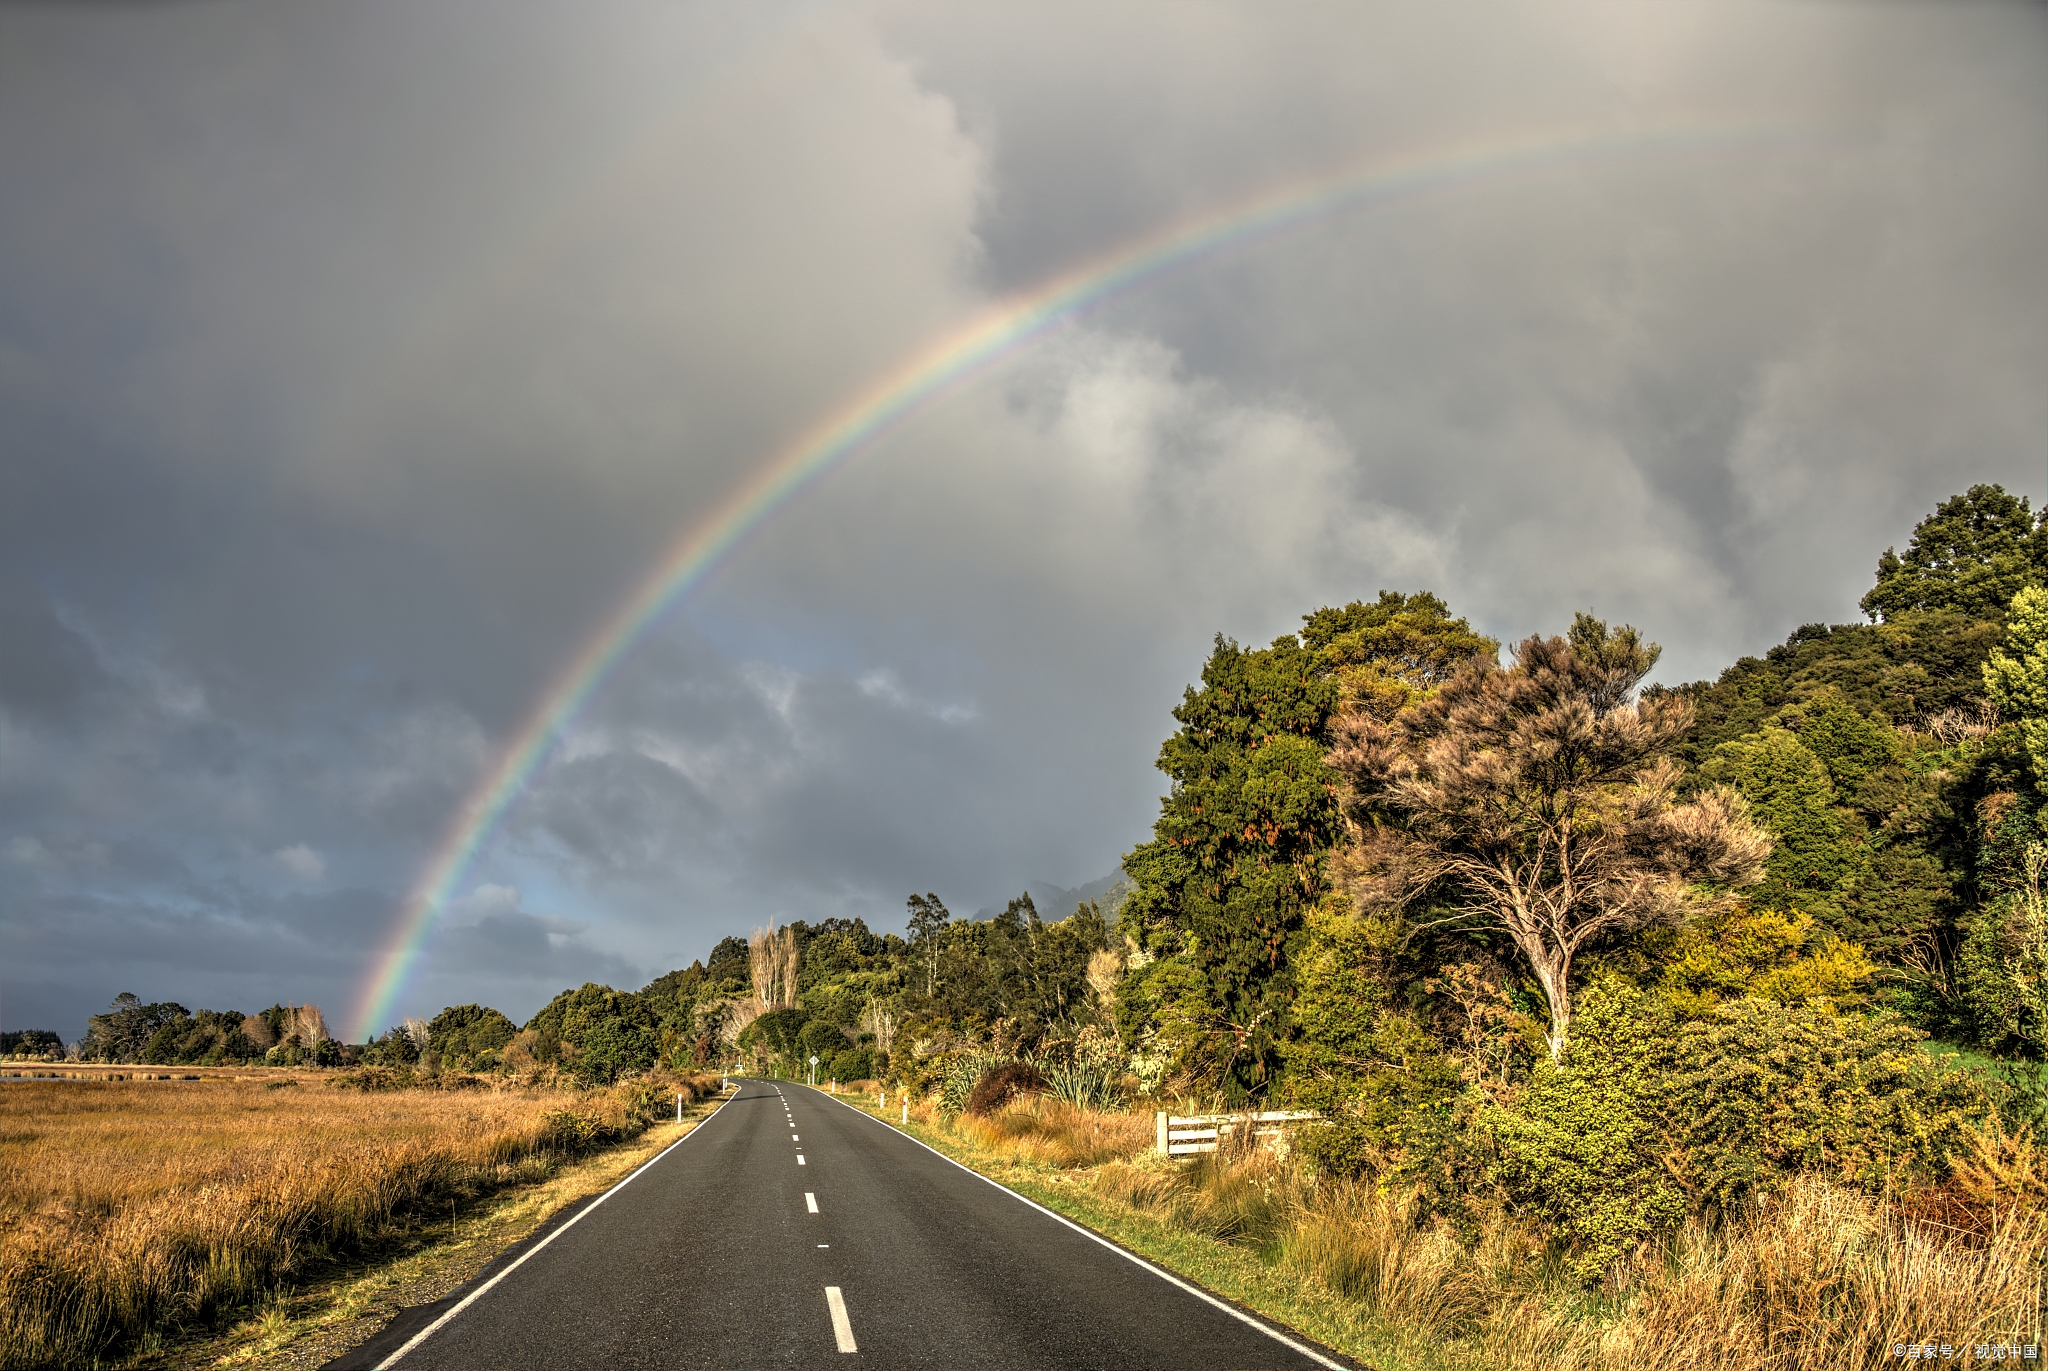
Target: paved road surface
x: 789, y: 1230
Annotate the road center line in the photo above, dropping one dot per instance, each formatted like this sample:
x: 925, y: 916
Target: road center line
x: 810, y: 1202
x: 799, y: 1159
x: 842, y: 1327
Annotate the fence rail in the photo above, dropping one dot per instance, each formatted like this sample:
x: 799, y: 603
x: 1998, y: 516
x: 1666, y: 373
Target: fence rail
x: 1179, y: 1136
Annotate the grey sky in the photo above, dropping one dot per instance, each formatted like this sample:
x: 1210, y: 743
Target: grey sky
x: 356, y: 360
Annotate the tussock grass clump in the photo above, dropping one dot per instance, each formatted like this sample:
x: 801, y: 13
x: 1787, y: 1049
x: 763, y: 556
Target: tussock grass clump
x: 1248, y: 1199
x: 130, y: 1208
x: 1047, y: 1131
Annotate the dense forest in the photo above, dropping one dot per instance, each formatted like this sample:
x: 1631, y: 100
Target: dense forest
x: 1621, y: 949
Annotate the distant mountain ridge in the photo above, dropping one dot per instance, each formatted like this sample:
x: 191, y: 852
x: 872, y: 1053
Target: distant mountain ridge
x: 1057, y: 902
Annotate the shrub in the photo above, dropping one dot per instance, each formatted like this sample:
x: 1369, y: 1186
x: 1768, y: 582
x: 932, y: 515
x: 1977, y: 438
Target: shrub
x: 1764, y: 1091
x: 1762, y: 953
x: 1578, y: 1145
x: 999, y: 1084
x: 2003, y: 966
x: 852, y: 1064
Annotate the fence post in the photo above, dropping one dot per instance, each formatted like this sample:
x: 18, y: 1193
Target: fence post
x: 1162, y: 1132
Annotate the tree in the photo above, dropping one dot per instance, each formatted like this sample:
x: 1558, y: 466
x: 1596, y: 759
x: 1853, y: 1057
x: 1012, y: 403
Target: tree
x: 1388, y: 654
x: 2016, y: 676
x: 1812, y: 865
x: 928, y: 920
x: 1236, y: 858
x: 468, y: 1031
x: 1971, y: 556
x: 1543, y: 800
x: 128, y: 1028
x: 775, y: 960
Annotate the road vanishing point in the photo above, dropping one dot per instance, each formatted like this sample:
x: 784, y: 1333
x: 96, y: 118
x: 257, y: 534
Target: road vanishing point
x: 791, y: 1230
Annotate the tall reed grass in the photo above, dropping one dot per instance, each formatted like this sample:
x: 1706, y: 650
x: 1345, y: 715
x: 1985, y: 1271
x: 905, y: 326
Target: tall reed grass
x: 129, y: 1208
x: 1818, y: 1274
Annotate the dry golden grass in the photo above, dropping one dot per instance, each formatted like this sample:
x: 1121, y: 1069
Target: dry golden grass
x: 1818, y: 1275
x: 1040, y: 1129
x: 130, y: 1207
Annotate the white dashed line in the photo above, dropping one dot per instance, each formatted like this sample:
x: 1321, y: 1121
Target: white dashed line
x: 794, y: 1138
x: 799, y: 1159
x: 842, y: 1327
x: 810, y: 1202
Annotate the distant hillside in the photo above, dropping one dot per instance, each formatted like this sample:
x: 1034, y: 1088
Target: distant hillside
x: 1056, y: 902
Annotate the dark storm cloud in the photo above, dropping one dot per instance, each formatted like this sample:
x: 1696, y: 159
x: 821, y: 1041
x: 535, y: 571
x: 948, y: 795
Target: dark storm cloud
x: 355, y: 362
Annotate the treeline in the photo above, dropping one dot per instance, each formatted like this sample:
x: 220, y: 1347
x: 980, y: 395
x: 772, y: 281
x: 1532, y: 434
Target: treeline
x: 169, y: 1034
x: 833, y: 990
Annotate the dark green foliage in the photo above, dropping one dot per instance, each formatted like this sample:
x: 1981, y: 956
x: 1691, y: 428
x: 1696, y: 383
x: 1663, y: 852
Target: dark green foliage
x: 395, y: 1049
x: 1905, y: 670
x: 2002, y: 967
x: 1002, y: 1083
x: 777, y: 1030
x: 30, y: 1042
x: 1364, y: 1058
x: 1813, y: 865
x: 676, y: 986
x: 465, y: 1032
x: 1971, y: 556
x: 601, y: 1033
x: 1237, y: 854
x: 727, y: 966
x: 852, y: 1064
x: 821, y: 1040
x: 128, y: 1028
x: 1387, y: 654
x: 1013, y: 968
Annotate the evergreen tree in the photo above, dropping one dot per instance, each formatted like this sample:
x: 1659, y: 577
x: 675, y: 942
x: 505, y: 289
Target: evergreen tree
x: 1236, y: 859
x: 1971, y: 556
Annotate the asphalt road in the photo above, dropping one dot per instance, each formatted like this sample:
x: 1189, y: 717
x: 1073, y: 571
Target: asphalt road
x: 789, y: 1230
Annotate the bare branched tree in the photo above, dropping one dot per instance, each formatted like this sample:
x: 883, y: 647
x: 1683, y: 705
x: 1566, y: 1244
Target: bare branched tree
x: 1542, y: 799
x: 309, y: 1025
x: 764, y: 963
x: 773, y: 958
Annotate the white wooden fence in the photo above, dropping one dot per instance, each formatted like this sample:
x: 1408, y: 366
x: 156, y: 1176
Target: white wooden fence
x: 1181, y: 1136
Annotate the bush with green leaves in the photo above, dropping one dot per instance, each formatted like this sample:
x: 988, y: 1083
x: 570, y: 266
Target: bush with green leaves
x: 1760, y: 1091
x: 2002, y: 966
x: 1578, y: 1144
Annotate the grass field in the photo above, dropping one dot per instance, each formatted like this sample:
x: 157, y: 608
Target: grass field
x: 1819, y: 1275
x: 131, y: 1210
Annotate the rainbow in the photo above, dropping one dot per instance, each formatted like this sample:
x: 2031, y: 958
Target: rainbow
x: 893, y: 399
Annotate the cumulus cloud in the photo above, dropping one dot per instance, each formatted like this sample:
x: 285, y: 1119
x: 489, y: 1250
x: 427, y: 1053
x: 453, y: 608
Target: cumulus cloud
x: 336, y: 425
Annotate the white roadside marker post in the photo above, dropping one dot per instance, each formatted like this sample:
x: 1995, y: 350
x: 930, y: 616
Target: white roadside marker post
x: 906, y: 1112
x: 679, y: 1106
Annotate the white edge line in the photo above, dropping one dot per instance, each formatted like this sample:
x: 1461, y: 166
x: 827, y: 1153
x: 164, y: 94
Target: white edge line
x: 535, y: 1250
x: 1117, y: 1248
